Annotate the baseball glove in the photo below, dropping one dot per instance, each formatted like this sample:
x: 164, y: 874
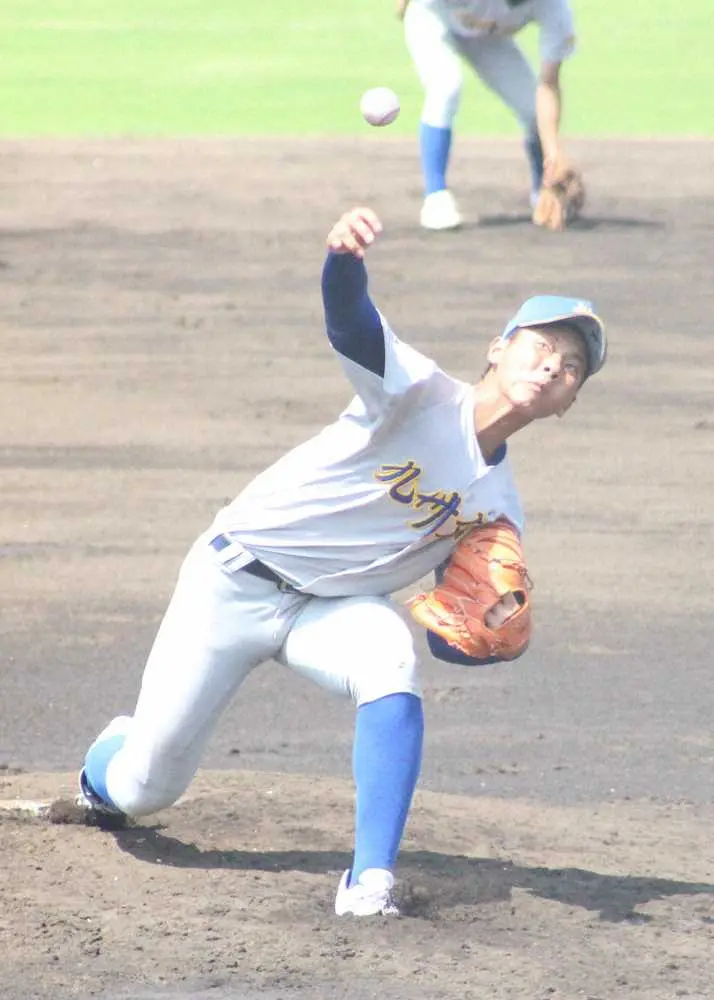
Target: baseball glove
x: 560, y: 199
x: 485, y: 575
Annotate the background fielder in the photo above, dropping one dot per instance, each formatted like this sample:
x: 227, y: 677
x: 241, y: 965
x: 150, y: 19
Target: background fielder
x: 440, y: 34
x: 300, y: 566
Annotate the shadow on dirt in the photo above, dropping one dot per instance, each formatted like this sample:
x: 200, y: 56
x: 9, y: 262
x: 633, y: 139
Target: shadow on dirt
x: 431, y: 881
x: 584, y: 224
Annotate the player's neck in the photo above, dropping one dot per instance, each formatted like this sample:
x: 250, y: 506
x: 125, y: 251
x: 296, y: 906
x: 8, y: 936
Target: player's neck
x: 495, y: 420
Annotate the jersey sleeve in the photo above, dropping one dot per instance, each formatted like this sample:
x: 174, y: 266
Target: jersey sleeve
x: 354, y: 327
x: 441, y: 650
x: 380, y: 366
x: 557, y: 30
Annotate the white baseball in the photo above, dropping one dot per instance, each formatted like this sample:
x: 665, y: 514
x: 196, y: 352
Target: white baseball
x: 379, y: 106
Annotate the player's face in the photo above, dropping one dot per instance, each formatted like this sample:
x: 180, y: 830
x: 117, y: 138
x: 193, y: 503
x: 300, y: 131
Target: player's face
x: 540, y: 369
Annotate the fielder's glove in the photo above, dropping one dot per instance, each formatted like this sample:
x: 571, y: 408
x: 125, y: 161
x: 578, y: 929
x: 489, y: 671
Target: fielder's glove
x: 482, y: 604
x: 561, y: 197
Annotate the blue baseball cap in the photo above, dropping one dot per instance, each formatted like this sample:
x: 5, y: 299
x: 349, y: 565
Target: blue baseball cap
x: 540, y: 310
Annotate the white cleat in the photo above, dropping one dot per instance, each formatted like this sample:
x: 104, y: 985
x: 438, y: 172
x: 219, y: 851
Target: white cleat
x: 88, y: 799
x: 370, y: 896
x: 440, y: 211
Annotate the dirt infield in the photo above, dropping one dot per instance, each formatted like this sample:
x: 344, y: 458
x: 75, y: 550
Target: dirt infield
x: 161, y: 341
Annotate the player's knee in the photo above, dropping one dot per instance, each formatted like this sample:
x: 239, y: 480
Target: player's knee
x: 143, y: 798
x: 143, y: 793
x: 441, y: 102
x: 390, y: 667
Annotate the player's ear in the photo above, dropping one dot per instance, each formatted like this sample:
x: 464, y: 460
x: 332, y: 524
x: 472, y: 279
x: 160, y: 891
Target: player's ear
x: 495, y: 350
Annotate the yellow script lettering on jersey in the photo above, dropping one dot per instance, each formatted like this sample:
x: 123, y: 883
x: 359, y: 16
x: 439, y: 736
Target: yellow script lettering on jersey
x: 439, y: 509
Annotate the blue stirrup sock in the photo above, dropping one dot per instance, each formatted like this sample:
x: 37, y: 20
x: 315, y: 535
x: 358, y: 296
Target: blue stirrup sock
x: 386, y: 760
x: 435, y: 146
x: 534, y: 153
x: 97, y: 761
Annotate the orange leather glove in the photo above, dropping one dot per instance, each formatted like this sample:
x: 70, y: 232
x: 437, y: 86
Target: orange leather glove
x: 482, y: 605
x: 561, y: 198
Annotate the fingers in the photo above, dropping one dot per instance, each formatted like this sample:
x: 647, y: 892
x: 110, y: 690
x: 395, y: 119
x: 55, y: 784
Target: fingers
x: 549, y: 211
x: 501, y: 612
x: 354, y: 232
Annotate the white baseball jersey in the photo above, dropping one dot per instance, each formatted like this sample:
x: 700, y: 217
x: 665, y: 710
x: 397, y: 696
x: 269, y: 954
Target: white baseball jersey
x: 380, y: 497
x: 473, y: 18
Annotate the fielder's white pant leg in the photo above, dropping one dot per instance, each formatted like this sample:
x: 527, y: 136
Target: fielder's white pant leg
x: 217, y: 628
x: 437, y: 62
x: 360, y: 647
x: 505, y: 70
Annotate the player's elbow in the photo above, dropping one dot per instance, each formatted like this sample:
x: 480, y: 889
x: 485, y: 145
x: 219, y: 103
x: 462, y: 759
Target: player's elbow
x: 550, y: 75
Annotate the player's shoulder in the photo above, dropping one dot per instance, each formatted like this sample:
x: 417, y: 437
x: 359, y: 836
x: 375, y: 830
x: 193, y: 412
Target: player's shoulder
x: 406, y: 365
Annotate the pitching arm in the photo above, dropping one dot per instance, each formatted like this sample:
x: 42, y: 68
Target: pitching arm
x: 353, y: 325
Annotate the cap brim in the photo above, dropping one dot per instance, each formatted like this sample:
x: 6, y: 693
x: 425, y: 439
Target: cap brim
x: 590, y: 327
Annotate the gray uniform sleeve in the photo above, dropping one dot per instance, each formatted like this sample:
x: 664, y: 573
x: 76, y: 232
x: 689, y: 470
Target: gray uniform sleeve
x: 557, y: 30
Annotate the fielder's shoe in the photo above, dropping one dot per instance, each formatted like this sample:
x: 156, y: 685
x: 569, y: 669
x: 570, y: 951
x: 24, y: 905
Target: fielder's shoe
x: 370, y: 896
x: 440, y: 211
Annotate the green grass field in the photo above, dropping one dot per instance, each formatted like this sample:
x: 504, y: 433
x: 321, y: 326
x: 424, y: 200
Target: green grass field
x: 167, y: 67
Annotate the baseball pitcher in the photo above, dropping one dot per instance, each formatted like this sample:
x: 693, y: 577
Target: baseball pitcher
x: 412, y: 477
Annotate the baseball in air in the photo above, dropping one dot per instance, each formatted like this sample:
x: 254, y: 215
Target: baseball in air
x: 379, y: 106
